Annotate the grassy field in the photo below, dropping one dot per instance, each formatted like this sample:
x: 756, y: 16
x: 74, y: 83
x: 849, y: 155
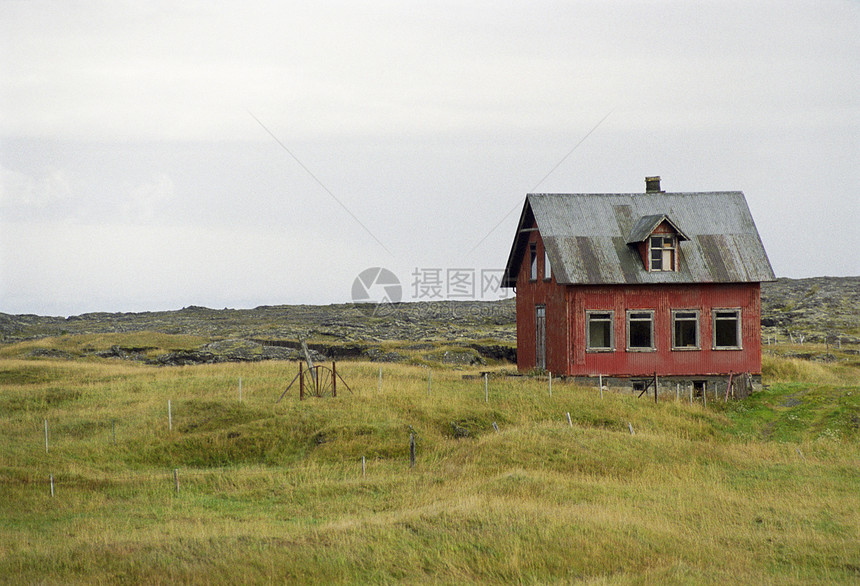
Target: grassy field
x: 765, y: 490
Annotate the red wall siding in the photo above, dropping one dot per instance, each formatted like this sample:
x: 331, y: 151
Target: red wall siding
x: 662, y: 299
x: 554, y: 297
x: 565, y: 325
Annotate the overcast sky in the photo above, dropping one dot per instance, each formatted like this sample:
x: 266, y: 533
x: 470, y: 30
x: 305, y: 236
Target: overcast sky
x: 155, y: 155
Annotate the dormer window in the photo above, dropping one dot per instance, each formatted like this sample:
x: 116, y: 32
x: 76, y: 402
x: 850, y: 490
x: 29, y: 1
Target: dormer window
x: 656, y: 238
x: 662, y: 252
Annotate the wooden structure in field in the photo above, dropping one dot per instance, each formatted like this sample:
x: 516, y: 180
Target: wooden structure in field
x: 315, y: 380
x: 638, y: 286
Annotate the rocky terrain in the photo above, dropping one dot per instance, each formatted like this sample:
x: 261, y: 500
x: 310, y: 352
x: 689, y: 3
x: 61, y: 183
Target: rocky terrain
x: 433, y: 321
x: 821, y: 309
x: 448, y: 331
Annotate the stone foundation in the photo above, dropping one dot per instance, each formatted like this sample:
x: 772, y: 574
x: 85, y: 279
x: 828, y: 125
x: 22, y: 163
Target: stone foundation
x: 712, y: 386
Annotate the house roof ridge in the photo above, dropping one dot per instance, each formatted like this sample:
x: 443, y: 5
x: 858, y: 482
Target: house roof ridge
x: 660, y: 194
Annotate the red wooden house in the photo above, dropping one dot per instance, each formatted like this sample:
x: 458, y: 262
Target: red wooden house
x: 638, y: 287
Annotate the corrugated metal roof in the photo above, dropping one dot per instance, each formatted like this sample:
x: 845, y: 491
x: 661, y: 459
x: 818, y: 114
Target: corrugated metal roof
x: 587, y: 235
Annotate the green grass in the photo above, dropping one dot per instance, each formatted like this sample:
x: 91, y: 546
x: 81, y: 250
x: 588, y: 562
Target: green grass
x: 763, y: 490
x: 806, y: 401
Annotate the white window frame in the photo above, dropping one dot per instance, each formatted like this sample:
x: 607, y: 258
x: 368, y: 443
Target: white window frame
x: 533, y: 262
x: 668, y: 254
x: 681, y: 315
x: 634, y: 315
x: 715, y: 316
x: 589, y: 316
x: 547, y: 268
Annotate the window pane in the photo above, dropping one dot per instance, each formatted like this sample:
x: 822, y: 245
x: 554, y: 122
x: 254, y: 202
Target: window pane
x: 599, y: 335
x: 726, y: 333
x: 685, y: 334
x: 640, y: 334
x: 640, y: 330
x: 533, y: 260
x: 663, y: 251
x: 599, y: 330
x: 726, y: 330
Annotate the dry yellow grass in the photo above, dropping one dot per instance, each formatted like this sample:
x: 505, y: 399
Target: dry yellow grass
x: 273, y: 492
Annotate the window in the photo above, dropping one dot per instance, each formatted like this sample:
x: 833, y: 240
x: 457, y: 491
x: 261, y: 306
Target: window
x: 540, y: 337
x: 640, y: 330
x: 727, y: 328
x: 662, y: 253
x: 599, y: 334
x: 685, y: 329
x: 547, y: 269
x: 533, y: 261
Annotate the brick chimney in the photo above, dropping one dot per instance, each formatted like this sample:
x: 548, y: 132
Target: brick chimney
x: 652, y: 184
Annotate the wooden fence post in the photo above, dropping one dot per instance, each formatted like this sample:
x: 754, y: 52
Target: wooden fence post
x: 412, y: 450
x: 333, y: 379
x: 728, y: 387
x: 655, y: 386
x: 301, y: 381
